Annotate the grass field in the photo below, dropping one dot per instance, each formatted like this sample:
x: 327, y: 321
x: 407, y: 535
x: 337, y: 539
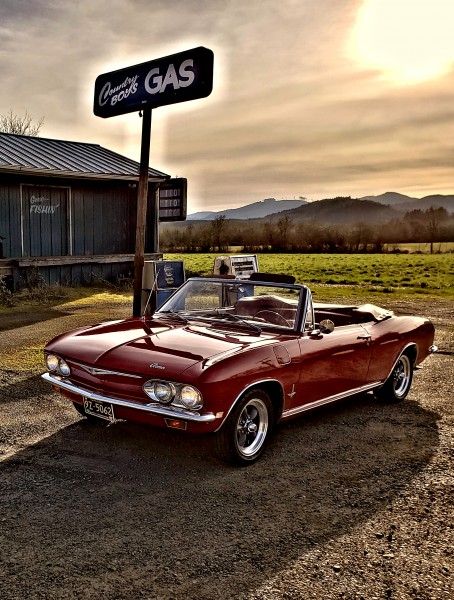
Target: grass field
x: 364, y: 275
x: 424, y: 247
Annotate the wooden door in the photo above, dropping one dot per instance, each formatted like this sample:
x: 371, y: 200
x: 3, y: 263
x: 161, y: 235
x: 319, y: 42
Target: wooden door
x: 45, y: 226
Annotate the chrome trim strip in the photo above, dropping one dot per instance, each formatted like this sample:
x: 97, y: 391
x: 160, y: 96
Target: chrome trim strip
x: 148, y: 408
x: 360, y: 390
x: 97, y: 371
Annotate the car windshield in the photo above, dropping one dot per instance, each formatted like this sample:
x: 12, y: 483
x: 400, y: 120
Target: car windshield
x: 252, y: 303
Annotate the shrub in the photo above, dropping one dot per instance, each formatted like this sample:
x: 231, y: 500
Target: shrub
x: 6, y: 298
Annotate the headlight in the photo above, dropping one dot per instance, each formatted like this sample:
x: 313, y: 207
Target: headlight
x: 56, y: 364
x: 190, y: 397
x: 63, y: 368
x: 164, y: 392
x: 161, y: 391
x: 52, y: 362
x: 177, y: 394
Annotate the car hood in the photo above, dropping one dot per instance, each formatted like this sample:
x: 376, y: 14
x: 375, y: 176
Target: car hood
x: 153, y: 346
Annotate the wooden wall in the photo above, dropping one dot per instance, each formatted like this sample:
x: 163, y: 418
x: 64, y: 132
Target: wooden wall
x: 102, y: 215
x: 53, y: 221
x: 10, y: 217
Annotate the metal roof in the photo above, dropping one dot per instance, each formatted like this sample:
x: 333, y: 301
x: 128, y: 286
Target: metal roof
x: 41, y: 156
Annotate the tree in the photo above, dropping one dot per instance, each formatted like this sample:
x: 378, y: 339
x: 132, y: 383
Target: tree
x: 268, y: 234
x: 218, y: 229
x: 283, y: 226
x: 20, y: 125
x: 435, y: 217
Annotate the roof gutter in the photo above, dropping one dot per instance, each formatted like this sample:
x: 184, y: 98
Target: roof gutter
x: 78, y: 174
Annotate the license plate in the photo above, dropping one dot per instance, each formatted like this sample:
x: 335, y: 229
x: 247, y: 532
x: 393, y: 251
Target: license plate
x: 98, y: 408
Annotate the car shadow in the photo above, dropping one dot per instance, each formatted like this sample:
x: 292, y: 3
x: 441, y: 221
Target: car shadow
x: 125, y: 511
x: 22, y: 319
x: 56, y: 309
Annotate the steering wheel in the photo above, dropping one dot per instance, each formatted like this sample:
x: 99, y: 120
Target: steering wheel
x: 272, y: 317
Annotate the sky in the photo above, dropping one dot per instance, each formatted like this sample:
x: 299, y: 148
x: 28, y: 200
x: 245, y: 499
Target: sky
x: 311, y: 98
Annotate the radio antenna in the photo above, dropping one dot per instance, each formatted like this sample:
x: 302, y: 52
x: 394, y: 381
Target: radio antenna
x: 153, y: 287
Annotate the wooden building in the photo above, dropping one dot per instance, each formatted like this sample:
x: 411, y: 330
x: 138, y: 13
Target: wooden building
x: 67, y: 211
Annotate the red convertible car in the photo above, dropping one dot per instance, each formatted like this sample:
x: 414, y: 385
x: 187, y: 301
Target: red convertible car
x: 234, y: 358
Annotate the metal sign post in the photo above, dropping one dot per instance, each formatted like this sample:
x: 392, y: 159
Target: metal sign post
x: 142, y: 195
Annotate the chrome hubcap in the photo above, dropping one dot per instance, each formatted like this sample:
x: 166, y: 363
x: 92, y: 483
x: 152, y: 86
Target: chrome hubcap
x: 252, y: 427
x: 401, y: 376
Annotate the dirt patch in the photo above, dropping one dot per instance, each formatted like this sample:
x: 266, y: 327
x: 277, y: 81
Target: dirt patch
x: 352, y: 501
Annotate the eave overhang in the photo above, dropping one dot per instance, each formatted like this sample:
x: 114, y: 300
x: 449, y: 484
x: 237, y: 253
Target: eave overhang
x: 12, y: 170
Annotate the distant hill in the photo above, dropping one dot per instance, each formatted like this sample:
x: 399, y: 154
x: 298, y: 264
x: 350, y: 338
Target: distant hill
x: 256, y: 210
x: 402, y: 202
x: 335, y: 211
x: 435, y: 201
x: 391, y: 198
x: 201, y: 216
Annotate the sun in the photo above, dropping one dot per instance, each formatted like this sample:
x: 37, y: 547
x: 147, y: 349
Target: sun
x: 409, y: 41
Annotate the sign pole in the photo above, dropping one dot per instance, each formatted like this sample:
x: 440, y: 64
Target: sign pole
x: 142, y: 195
x: 177, y: 78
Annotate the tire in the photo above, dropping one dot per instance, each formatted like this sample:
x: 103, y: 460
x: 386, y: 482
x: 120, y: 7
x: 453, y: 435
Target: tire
x: 246, y: 432
x: 398, y: 384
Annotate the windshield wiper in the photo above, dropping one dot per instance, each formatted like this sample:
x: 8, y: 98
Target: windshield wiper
x: 172, y: 313
x: 234, y: 317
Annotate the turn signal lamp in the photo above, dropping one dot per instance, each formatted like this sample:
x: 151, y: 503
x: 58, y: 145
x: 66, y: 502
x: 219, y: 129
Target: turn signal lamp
x: 176, y: 424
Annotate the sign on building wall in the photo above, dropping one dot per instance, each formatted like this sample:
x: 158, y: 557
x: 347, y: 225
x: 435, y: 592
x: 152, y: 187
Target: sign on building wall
x: 173, y: 199
x: 45, y: 227
x: 184, y: 76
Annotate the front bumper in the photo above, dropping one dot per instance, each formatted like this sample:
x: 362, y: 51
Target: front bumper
x: 153, y: 408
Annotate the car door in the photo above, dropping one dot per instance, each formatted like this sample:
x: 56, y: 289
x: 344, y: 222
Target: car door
x: 332, y: 364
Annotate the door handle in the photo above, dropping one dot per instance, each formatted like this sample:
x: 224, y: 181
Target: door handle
x: 364, y: 336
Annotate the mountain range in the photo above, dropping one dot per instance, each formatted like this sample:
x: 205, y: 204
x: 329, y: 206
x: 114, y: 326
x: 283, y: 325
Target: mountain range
x: 375, y: 209
x: 407, y: 203
x: 266, y: 207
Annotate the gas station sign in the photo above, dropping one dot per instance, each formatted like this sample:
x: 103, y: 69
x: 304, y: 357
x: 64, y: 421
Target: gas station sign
x: 177, y: 78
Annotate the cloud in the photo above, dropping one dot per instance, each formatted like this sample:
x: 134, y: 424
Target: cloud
x: 291, y: 113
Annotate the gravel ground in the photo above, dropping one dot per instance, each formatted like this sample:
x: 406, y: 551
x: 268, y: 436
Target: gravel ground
x: 352, y: 501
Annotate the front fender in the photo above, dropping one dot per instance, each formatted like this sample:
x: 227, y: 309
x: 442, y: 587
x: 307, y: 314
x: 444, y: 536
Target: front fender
x: 224, y: 382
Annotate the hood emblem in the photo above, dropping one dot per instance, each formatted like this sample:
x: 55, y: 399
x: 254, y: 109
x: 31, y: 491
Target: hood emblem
x: 156, y: 366
x: 97, y: 371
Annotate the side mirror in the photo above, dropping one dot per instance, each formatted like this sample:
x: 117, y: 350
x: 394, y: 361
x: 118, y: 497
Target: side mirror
x: 326, y: 326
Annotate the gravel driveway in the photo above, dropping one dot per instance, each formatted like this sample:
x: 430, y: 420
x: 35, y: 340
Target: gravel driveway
x: 350, y: 501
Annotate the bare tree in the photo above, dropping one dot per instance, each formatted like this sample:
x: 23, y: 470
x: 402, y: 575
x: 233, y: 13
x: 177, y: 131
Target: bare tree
x: 20, y: 125
x: 218, y: 229
x: 283, y: 226
x: 435, y: 217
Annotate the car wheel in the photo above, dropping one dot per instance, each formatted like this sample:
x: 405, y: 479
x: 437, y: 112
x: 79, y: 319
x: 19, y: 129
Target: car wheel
x: 398, y: 384
x: 245, y: 434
